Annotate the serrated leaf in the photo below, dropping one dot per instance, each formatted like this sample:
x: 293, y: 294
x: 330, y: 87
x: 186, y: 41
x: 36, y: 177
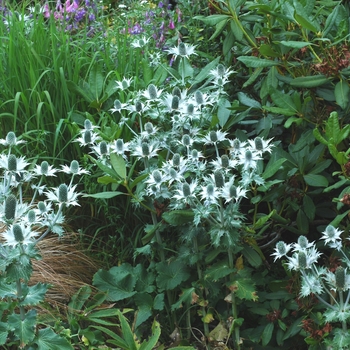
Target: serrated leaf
x: 118, y: 282
x: 48, y: 339
x: 178, y: 217
x: 217, y: 271
x: 145, y: 303
x: 23, y: 328
x: 3, y: 332
x: 35, y: 294
x: 186, y: 297
x: 244, y: 288
x: 219, y: 333
x: 171, y: 274
x: 256, y: 62
x: 158, y: 303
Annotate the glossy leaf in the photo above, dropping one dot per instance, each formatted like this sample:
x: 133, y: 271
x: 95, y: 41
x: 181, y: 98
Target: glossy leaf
x: 310, y: 81
x: 256, y: 62
x: 341, y: 93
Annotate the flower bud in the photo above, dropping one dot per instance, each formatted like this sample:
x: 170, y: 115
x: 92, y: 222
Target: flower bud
x: 221, y: 70
x: 11, y: 138
x: 152, y: 91
x: 258, y: 143
x: 182, y: 49
x: 176, y: 92
x: 302, y: 260
x: 10, y: 207
x: 31, y: 216
x: 145, y: 149
x: 281, y: 248
x: 87, y: 136
x: 149, y: 128
x: 219, y: 178
x: 194, y: 154
x: 17, y: 232
x: 190, y: 109
x: 176, y: 159
x: 119, y: 145
x: 213, y: 136
x: 103, y: 147
x: 87, y: 124
x: 248, y: 155
x: 303, y: 242
x: 74, y: 167
x: 340, y: 278
x: 63, y: 193
x: 210, y: 190
x: 125, y: 84
x: 198, y: 96
x: 186, y: 190
x: 173, y: 173
x: 44, y: 167
x: 186, y: 140
x: 236, y: 145
x: 138, y: 106
x: 12, y: 163
x: 157, y: 176
x: 117, y: 105
x: 225, y: 161
x: 175, y: 102
x: 233, y: 191
x: 42, y: 207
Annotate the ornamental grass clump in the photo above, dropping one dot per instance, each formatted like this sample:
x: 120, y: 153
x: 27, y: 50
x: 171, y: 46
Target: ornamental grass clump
x: 331, y: 287
x: 30, y: 210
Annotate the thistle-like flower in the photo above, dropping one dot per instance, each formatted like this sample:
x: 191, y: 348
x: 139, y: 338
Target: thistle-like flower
x: 74, y: 168
x: 124, y: 84
x: 63, y: 195
x: 281, y: 250
x: 183, y: 50
x: 18, y: 234
x: 331, y: 236
x: 45, y: 169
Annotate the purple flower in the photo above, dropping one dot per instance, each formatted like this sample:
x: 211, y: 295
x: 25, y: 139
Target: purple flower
x: 160, y: 5
x: 171, y: 25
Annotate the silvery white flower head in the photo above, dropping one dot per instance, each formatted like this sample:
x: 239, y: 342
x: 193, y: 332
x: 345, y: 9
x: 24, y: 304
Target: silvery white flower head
x: 214, y: 137
x: 152, y: 93
x: 88, y: 137
x: 182, y: 50
x: 118, y: 106
x: 174, y: 175
x: 63, y: 195
x: 172, y: 103
x: 331, y: 235
x: 11, y: 209
x: 302, y: 245
x: 101, y: 149
x: 200, y: 99
x: 44, y: 169
x: 302, y: 260
x: 155, y: 59
x: 143, y: 149
x: 140, y: 43
x: 177, y: 162
x: 260, y: 145
x: 150, y: 130
x: 19, y: 234
x: 124, y: 84
x: 138, y: 107
x: 11, y: 163
x: 120, y: 147
x: 11, y: 140
x: 74, y: 168
x: 88, y: 126
x: 310, y: 284
x: 233, y: 193
x: 281, y: 250
x: 221, y: 72
x: 210, y: 194
x: 156, y: 178
x: 190, y: 111
x: 248, y: 159
x: 236, y: 147
x: 186, y: 192
x: 224, y: 163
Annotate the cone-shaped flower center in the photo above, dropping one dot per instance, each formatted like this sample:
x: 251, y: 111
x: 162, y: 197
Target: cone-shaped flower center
x: 340, y: 278
x: 42, y: 207
x: 186, y: 140
x: 176, y: 91
x: 87, y: 124
x: 152, y: 90
x: 213, y: 136
x: 225, y: 161
x: 219, y: 178
x: 63, y: 193
x: 176, y: 159
x: 186, y: 190
x: 103, y: 147
x: 31, y: 216
x: 221, y: 70
x: 44, y: 167
x: 199, y: 97
x: 145, y: 149
x: 258, y: 143
x: 10, y: 207
x: 87, y: 136
x: 17, y: 232
x: 11, y: 138
x: 175, y: 102
x: 12, y: 163
x: 74, y: 167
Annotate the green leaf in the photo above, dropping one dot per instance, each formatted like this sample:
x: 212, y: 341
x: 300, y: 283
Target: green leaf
x: 279, y: 110
x: 151, y: 343
x: 251, y: 254
x: 256, y: 62
x: 267, y: 334
x: 224, y: 111
x: 244, y: 287
x: 236, y: 30
x: 302, y: 221
x: 219, y: 27
x: 294, y: 44
x: 96, y: 81
x: 178, y: 217
x: 283, y: 100
x: 158, y: 303
x: 316, y: 180
x: 145, y: 303
x: 186, y: 298
x: 106, y: 180
x: 24, y: 329
x: 305, y: 23
x: 247, y: 101
x: 272, y: 167
x: 35, y: 294
x: 127, y: 333
x: 213, y: 19
x: 217, y: 271
x: 309, y: 207
x: 204, y: 72
x: 104, y: 195
x: 171, y: 274
x: 118, y: 164
x: 341, y: 93
x: 3, y: 332
x: 118, y: 282
x: 48, y: 339
x: 309, y: 81
x: 256, y: 74
x: 113, y: 337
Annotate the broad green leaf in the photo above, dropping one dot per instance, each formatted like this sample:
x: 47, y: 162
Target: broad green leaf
x: 341, y: 93
x: 247, y: 101
x: 236, y: 30
x: 279, y: 110
x: 106, y: 180
x: 3, y: 332
x: 256, y: 62
x: 244, y: 288
x: 186, y: 297
x: 291, y: 120
x: 283, y: 100
x: 294, y: 44
x: 145, y: 303
x: 319, y: 137
x: 256, y: 74
x: 178, y: 217
x: 79, y: 298
x: 319, y: 167
x: 119, y: 165
x: 48, y: 339
x: 204, y: 72
x: 272, y: 167
x: 309, y: 208
x: 24, y: 329
x: 118, y: 282
x: 302, y: 221
x: 333, y: 129
x: 104, y: 195
x: 35, y: 294
x: 217, y: 271
x: 310, y: 81
x: 145, y: 279
x: 171, y: 274
x: 219, y: 27
x: 251, y: 254
x: 316, y: 180
x: 158, y: 302
x: 113, y: 337
x: 7, y: 290
x: 305, y: 23
x: 267, y: 334
x: 96, y: 81
x: 213, y: 19
x: 224, y: 111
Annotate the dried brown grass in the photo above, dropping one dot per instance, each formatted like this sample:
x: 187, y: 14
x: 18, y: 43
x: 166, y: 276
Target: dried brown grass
x: 65, y: 265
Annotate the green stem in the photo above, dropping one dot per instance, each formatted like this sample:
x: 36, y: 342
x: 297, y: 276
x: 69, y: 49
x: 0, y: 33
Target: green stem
x: 234, y: 305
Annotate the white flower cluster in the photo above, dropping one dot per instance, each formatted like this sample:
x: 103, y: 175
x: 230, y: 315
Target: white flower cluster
x: 23, y: 222
x: 327, y: 285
